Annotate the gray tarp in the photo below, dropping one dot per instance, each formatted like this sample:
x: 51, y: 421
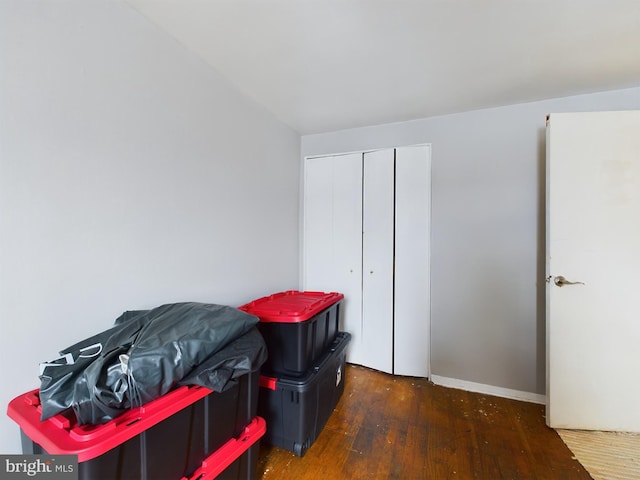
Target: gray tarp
x: 146, y: 354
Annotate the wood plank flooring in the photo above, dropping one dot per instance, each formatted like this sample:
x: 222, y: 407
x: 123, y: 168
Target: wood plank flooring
x: 387, y: 427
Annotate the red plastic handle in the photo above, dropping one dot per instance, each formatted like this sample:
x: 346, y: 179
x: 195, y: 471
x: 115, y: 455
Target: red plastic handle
x: 217, y: 462
x: 268, y: 382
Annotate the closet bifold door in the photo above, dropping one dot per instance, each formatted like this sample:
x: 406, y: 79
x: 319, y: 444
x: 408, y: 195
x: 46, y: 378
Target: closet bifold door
x: 332, y: 258
x: 412, y: 247
x: 377, y: 260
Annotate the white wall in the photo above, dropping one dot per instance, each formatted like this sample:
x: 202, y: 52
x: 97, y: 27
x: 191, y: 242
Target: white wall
x: 131, y: 175
x: 487, y: 278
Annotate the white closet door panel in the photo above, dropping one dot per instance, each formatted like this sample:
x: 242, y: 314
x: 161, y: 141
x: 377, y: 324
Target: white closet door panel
x: 412, y: 247
x: 377, y: 258
x: 347, y: 247
x: 333, y: 237
x: 318, y: 223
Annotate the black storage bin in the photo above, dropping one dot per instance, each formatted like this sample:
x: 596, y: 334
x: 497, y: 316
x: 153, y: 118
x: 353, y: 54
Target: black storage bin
x: 167, y: 438
x: 297, y: 408
x: 298, y: 327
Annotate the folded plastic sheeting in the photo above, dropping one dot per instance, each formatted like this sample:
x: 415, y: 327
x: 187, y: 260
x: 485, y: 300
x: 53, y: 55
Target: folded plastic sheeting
x: 146, y: 354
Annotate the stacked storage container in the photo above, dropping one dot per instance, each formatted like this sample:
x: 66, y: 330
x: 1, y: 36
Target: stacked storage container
x: 189, y: 433
x: 302, y: 379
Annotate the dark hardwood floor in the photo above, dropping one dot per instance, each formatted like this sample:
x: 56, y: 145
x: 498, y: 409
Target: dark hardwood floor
x: 387, y: 427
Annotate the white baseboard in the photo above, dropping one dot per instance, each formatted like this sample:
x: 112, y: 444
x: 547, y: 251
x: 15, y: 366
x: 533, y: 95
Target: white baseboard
x: 489, y: 389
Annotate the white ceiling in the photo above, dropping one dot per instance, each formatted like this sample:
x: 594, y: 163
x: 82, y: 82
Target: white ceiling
x: 323, y: 65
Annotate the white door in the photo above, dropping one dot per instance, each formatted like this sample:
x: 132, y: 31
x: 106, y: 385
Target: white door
x: 377, y: 260
x: 411, y: 292
x: 593, y: 237
x: 333, y: 237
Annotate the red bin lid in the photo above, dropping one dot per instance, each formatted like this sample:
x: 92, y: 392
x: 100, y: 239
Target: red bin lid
x: 291, y: 306
x: 61, y: 434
